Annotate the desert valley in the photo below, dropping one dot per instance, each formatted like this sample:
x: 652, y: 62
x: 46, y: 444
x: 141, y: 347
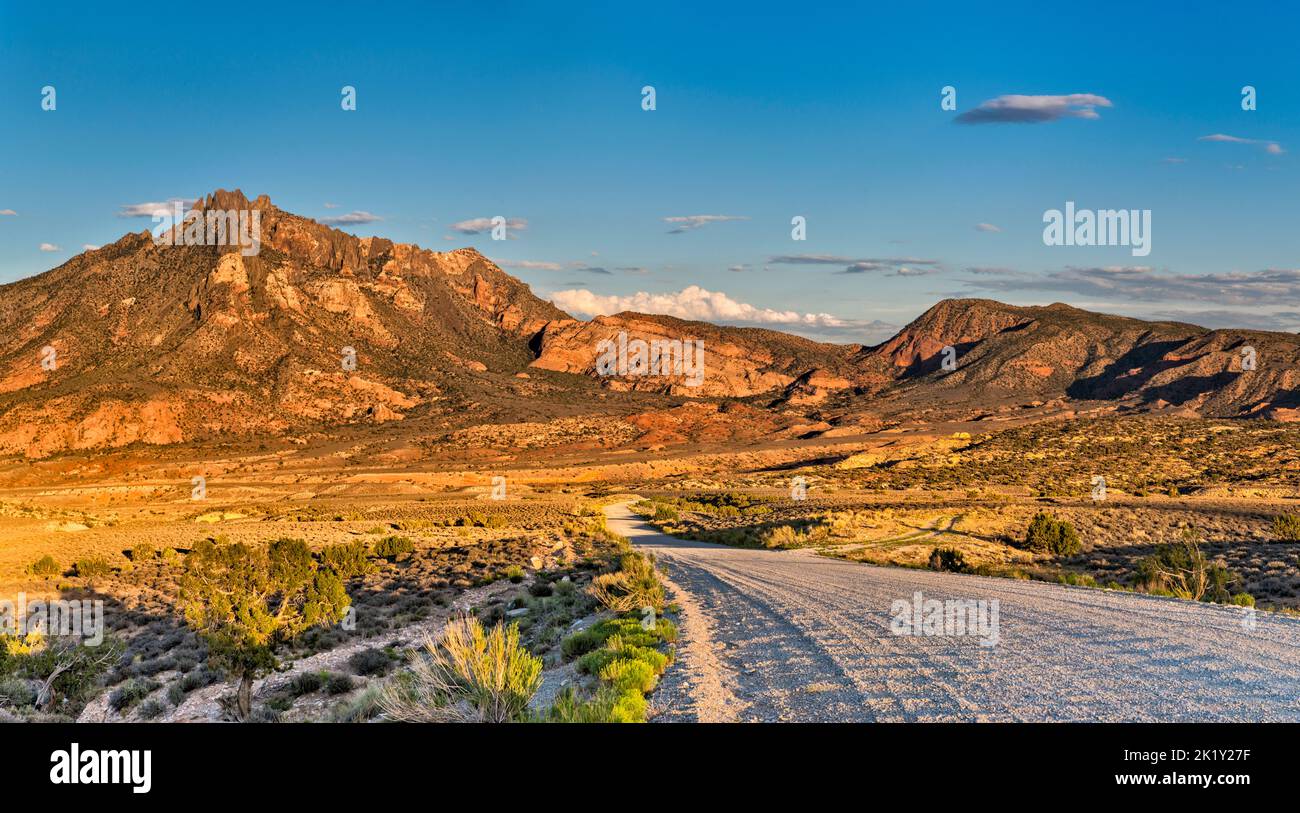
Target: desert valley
x: 442, y: 441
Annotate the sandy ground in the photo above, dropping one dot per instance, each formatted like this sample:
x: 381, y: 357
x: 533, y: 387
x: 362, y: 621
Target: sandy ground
x: 791, y: 636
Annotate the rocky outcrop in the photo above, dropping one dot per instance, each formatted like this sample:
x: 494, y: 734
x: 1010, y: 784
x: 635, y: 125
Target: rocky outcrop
x: 693, y: 359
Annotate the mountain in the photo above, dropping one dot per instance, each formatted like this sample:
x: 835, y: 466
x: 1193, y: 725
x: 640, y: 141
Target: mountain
x: 167, y: 343
x: 1057, y: 351
x: 161, y: 344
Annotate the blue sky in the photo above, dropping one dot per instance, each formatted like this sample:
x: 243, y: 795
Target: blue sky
x: 764, y: 112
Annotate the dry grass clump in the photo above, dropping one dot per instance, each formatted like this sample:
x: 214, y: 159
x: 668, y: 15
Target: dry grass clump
x: 631, y: 587
x: 469, y: 675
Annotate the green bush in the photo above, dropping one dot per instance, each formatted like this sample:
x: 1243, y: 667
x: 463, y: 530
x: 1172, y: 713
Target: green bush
x: 339, y: 684
x: 630, y: 673
x: 950, y: 560
x: 370, y: 662
x: 17, y: 693
x: 514, y: 573
x: 580, y: 643
x: 93, y: 568
x: 633, y: 586
x: 1243, y: 599
x: 594, y: 662
x: 46, y: 566
x: 143, y: 552
x: 1077, y: 579
x: 1286, y: 528
x: 391, y: 547
x: 348, y: 560
x: 1051, y: 535
x: 306, y: 683
x: 1182, y: 569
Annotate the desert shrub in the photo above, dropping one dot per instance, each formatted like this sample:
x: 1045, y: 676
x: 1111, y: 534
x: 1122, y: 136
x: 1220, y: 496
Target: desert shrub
x: 17, y: 693
x: 336, y: 683
x: 631, y: 587
x: 1286, y: 528
x: 45, y: 566
x: 143, y: 552
x: 626, y: 673
x: 391, y: 547
x: 665, y: 513
x: 264, y: 714
x: 540, y: 588
x: 1243, y: 599
x: 1077, y: 579
x: 948, y: 559
x: 152, y: 709
x: 569, y: 707
x: 1182, y: 570
x: 468, y: 675
x: 199, y: 678
x: 306, y: 683
x: 782, y: 536
x: 363, y: 707
x: 621, y: 653
x: 62, y: 668
x: 92, y: 568
x: 608, y: 705
x: 580, y: 643
x: 595, y: 662
x: 514, y: 573
x: 129, y: 694
x: 370, y: 662
x: 348, y: 560
x: 1051, y: 535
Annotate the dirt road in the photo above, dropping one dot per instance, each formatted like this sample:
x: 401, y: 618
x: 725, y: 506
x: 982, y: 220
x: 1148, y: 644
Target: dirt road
x: 792, y: 636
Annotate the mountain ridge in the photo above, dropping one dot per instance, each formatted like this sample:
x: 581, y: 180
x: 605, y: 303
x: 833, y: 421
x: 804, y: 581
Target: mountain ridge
x: 166, y: 344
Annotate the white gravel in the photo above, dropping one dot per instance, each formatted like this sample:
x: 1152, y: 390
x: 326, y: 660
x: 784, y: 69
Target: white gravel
x: 792, y: 636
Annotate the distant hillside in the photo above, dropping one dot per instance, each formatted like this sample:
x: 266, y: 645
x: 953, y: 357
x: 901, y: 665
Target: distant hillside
x: 1058, y: 351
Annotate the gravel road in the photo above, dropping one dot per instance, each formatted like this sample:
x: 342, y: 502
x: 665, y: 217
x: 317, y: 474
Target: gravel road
x: 792, y: 636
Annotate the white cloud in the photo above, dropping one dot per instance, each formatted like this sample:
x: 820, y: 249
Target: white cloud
x: 685, y: 223
x: 891, y: 266
x: 8, y: 212
x: 351, y: 219
x: 1271, y: 147
x: 89, y: 247
x: 692, y: 302
x: 696, y: 303
x: 478, y: 225
x: 153, y: 208
x: 534, y: 265
x: 988, y: 227
x: 49, y: 247
x: 1126, y: 283
x: 1017, y: 109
